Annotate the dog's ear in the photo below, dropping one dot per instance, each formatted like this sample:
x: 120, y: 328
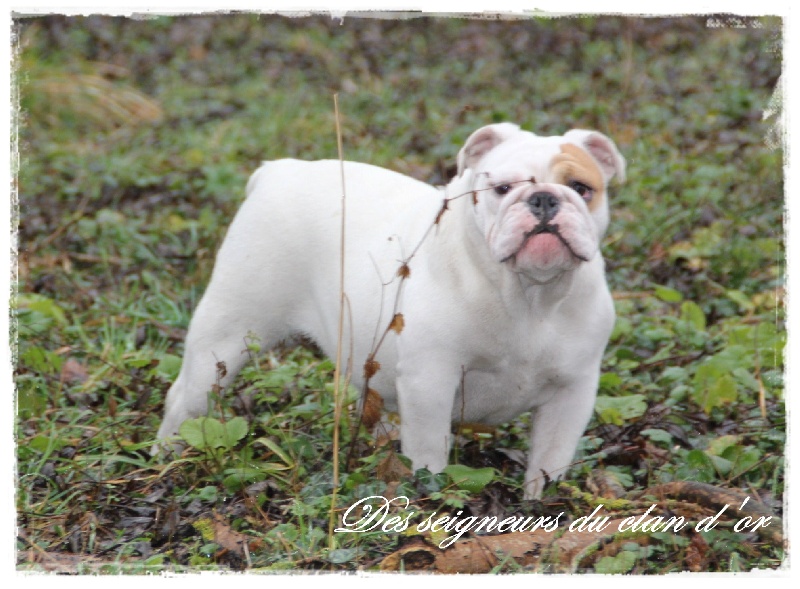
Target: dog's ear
x: 481, y: 142
x: 602, y: 150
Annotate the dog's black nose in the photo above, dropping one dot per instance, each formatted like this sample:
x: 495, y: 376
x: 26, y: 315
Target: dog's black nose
x: 544, y: 205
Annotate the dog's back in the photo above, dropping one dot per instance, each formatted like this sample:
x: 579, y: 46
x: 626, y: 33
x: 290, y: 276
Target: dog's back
x: 277, y: 272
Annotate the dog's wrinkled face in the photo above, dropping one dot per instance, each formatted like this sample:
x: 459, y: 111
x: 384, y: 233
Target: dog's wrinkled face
x: 541, y: 201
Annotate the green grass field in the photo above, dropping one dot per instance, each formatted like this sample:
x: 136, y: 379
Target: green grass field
x: 136, y: 138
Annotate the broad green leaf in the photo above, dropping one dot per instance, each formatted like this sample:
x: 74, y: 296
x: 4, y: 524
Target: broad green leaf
x: 742, y: 458
x: 657, y: 335
x: 235, y: 430
x: 43, y: 305
x: 692, y: 314
x: 42, y: 360
x: 616, y: 410
x: 668, y: 295
x: 732, y: 357
x: 138, y: 362
x: 723, y: 466
x: 622, y: 326
x: 625, y: 354
x: 201, y: 432
x: 616, y: 565
x: 745, y: 378
x: 341, y: 555
x: 237, y: 478
x: 658, y: 435
x: 301, y: 508
x: 610, y: 381
x: 741, y: 299
x: 763, y: 340
x: 207, y: 432
x: 772, y: 378
x: 723, y: 392
x: 46, y: 443
x: 169, y: 365
x: 208, y: 493
x: 719, y: 445
x: 32, y: 397
x: 176, y: 223
x: 110, y: 217
x: 470, y: 479
x: 698, y: 467
x: 278, y: 378
x: 715, y: 391
x: 673, y: 374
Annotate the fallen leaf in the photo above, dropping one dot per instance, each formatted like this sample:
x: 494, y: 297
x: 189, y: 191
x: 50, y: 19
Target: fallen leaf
x: 72, y: 372
x: 696, y: 553
x: 482, y: 553
x: 392, y: 469
x: 216, y: 529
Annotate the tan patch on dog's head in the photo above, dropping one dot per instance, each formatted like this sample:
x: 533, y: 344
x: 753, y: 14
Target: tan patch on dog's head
x: 574, y: 164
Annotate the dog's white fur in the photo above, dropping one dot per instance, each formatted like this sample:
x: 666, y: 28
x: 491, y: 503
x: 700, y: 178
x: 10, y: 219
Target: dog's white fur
x: 520, y: 320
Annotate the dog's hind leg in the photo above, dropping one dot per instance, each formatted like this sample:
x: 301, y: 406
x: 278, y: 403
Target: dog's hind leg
x: 215, y: 352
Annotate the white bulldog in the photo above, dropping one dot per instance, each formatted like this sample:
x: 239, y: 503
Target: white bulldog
x: 505, y: 303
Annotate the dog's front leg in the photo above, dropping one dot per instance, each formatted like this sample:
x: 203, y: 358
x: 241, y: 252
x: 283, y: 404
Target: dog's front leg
x: 556, y: 429
x: 425, y: 399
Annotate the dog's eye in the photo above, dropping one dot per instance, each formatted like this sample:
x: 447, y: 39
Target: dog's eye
x: 502, y: 189
x: 582, y: 189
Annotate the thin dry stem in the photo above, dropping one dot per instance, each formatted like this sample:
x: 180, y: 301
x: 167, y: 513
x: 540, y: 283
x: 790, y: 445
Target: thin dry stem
x: 337, y: 405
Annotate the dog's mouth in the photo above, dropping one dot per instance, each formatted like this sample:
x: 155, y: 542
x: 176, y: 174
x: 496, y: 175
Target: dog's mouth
x: 548, y: 228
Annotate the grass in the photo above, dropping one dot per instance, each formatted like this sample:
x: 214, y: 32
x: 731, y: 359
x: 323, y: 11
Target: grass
x: 136, y: 140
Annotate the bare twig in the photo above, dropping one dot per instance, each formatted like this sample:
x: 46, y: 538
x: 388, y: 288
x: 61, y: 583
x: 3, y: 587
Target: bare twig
x: 403, y: 272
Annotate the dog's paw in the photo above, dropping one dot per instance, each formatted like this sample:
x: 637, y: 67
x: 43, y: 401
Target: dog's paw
x: 167, y: 448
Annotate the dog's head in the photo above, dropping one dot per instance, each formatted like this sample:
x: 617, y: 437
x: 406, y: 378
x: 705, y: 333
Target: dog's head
x: 540, y: 201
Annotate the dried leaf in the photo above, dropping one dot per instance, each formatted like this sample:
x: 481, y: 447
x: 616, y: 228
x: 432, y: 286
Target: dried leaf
x: 218, y: 530
x: 397, y: 323
x: 371, y: 367
x: 404, y: 271
x: 373, y: 409
x: 481, y: 554
x: 696, y: 553
x: 390, y: 492
x: 392, y: 469
x: 657, y: 253
x: 226, y: 537
x: 57, y: 562
x: 445, y: 206
x: 72, y: 372
x: 386, y: 432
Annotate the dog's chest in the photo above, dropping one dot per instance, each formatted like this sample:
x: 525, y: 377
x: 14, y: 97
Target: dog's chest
x: 513, y: 375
